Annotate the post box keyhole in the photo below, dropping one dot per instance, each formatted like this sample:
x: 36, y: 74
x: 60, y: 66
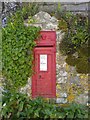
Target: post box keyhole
x: 39, y: 76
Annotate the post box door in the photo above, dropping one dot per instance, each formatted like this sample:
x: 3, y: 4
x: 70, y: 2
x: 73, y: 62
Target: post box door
x: 44, y: 81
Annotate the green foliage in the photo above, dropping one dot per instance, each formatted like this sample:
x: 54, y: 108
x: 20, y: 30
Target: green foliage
x: 19, y: 106
x: 77, y: 33
x: 31, y: 20
x: 76, y: 111
x: 29, y: 9
x: 75, y: 39
x: 62, y: 25
x: 17, y: 46
x: 81, y: 59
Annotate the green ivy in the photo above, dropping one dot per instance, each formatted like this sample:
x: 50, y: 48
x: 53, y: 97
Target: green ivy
x: 17, y: 47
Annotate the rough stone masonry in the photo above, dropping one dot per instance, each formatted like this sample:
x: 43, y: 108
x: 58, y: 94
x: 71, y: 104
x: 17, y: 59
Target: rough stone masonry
x: 70, y: 85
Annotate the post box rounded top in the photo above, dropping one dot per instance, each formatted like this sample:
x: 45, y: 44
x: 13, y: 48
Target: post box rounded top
x: 47, y: 38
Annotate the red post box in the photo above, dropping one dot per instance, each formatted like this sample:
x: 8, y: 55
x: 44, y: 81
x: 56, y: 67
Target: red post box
x: 44, y: 79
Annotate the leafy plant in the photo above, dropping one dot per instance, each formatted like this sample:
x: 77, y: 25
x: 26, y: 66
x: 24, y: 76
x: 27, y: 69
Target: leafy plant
x: 14, y: 105
x: 20, y: 106
x: 76, y: 30
x: 17, y: 46
x: 62, y: 25
x: 30, y: 20
x: 81, y: 59
x: 76, y: 37
x: 29, y: 9
x: 76, y: 111
x: 77, y: 34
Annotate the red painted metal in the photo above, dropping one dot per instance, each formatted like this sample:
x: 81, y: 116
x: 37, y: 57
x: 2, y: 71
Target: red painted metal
x: 44, y: 79
x: 47, y: 38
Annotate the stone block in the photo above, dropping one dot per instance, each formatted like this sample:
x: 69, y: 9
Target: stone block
x: 59, y: 36
x: 63, y: 94
x: 63, y: 86
x: 60, y: 93
x: 51, y: 26
x: 82, y: 99
x: 29, y: 81
x: 61, y: 100
x: 62, y: 80
x: 64, y: 74
x: 53, y: 19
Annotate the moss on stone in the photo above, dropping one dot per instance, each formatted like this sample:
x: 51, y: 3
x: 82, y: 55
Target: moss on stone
x: 82, y: 66
x: 71, y: 60
x: 62, y: 25
x: 82, y: 61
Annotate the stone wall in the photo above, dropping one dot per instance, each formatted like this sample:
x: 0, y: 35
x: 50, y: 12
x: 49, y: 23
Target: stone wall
x: 70, y: 86
x: 72, y: 6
